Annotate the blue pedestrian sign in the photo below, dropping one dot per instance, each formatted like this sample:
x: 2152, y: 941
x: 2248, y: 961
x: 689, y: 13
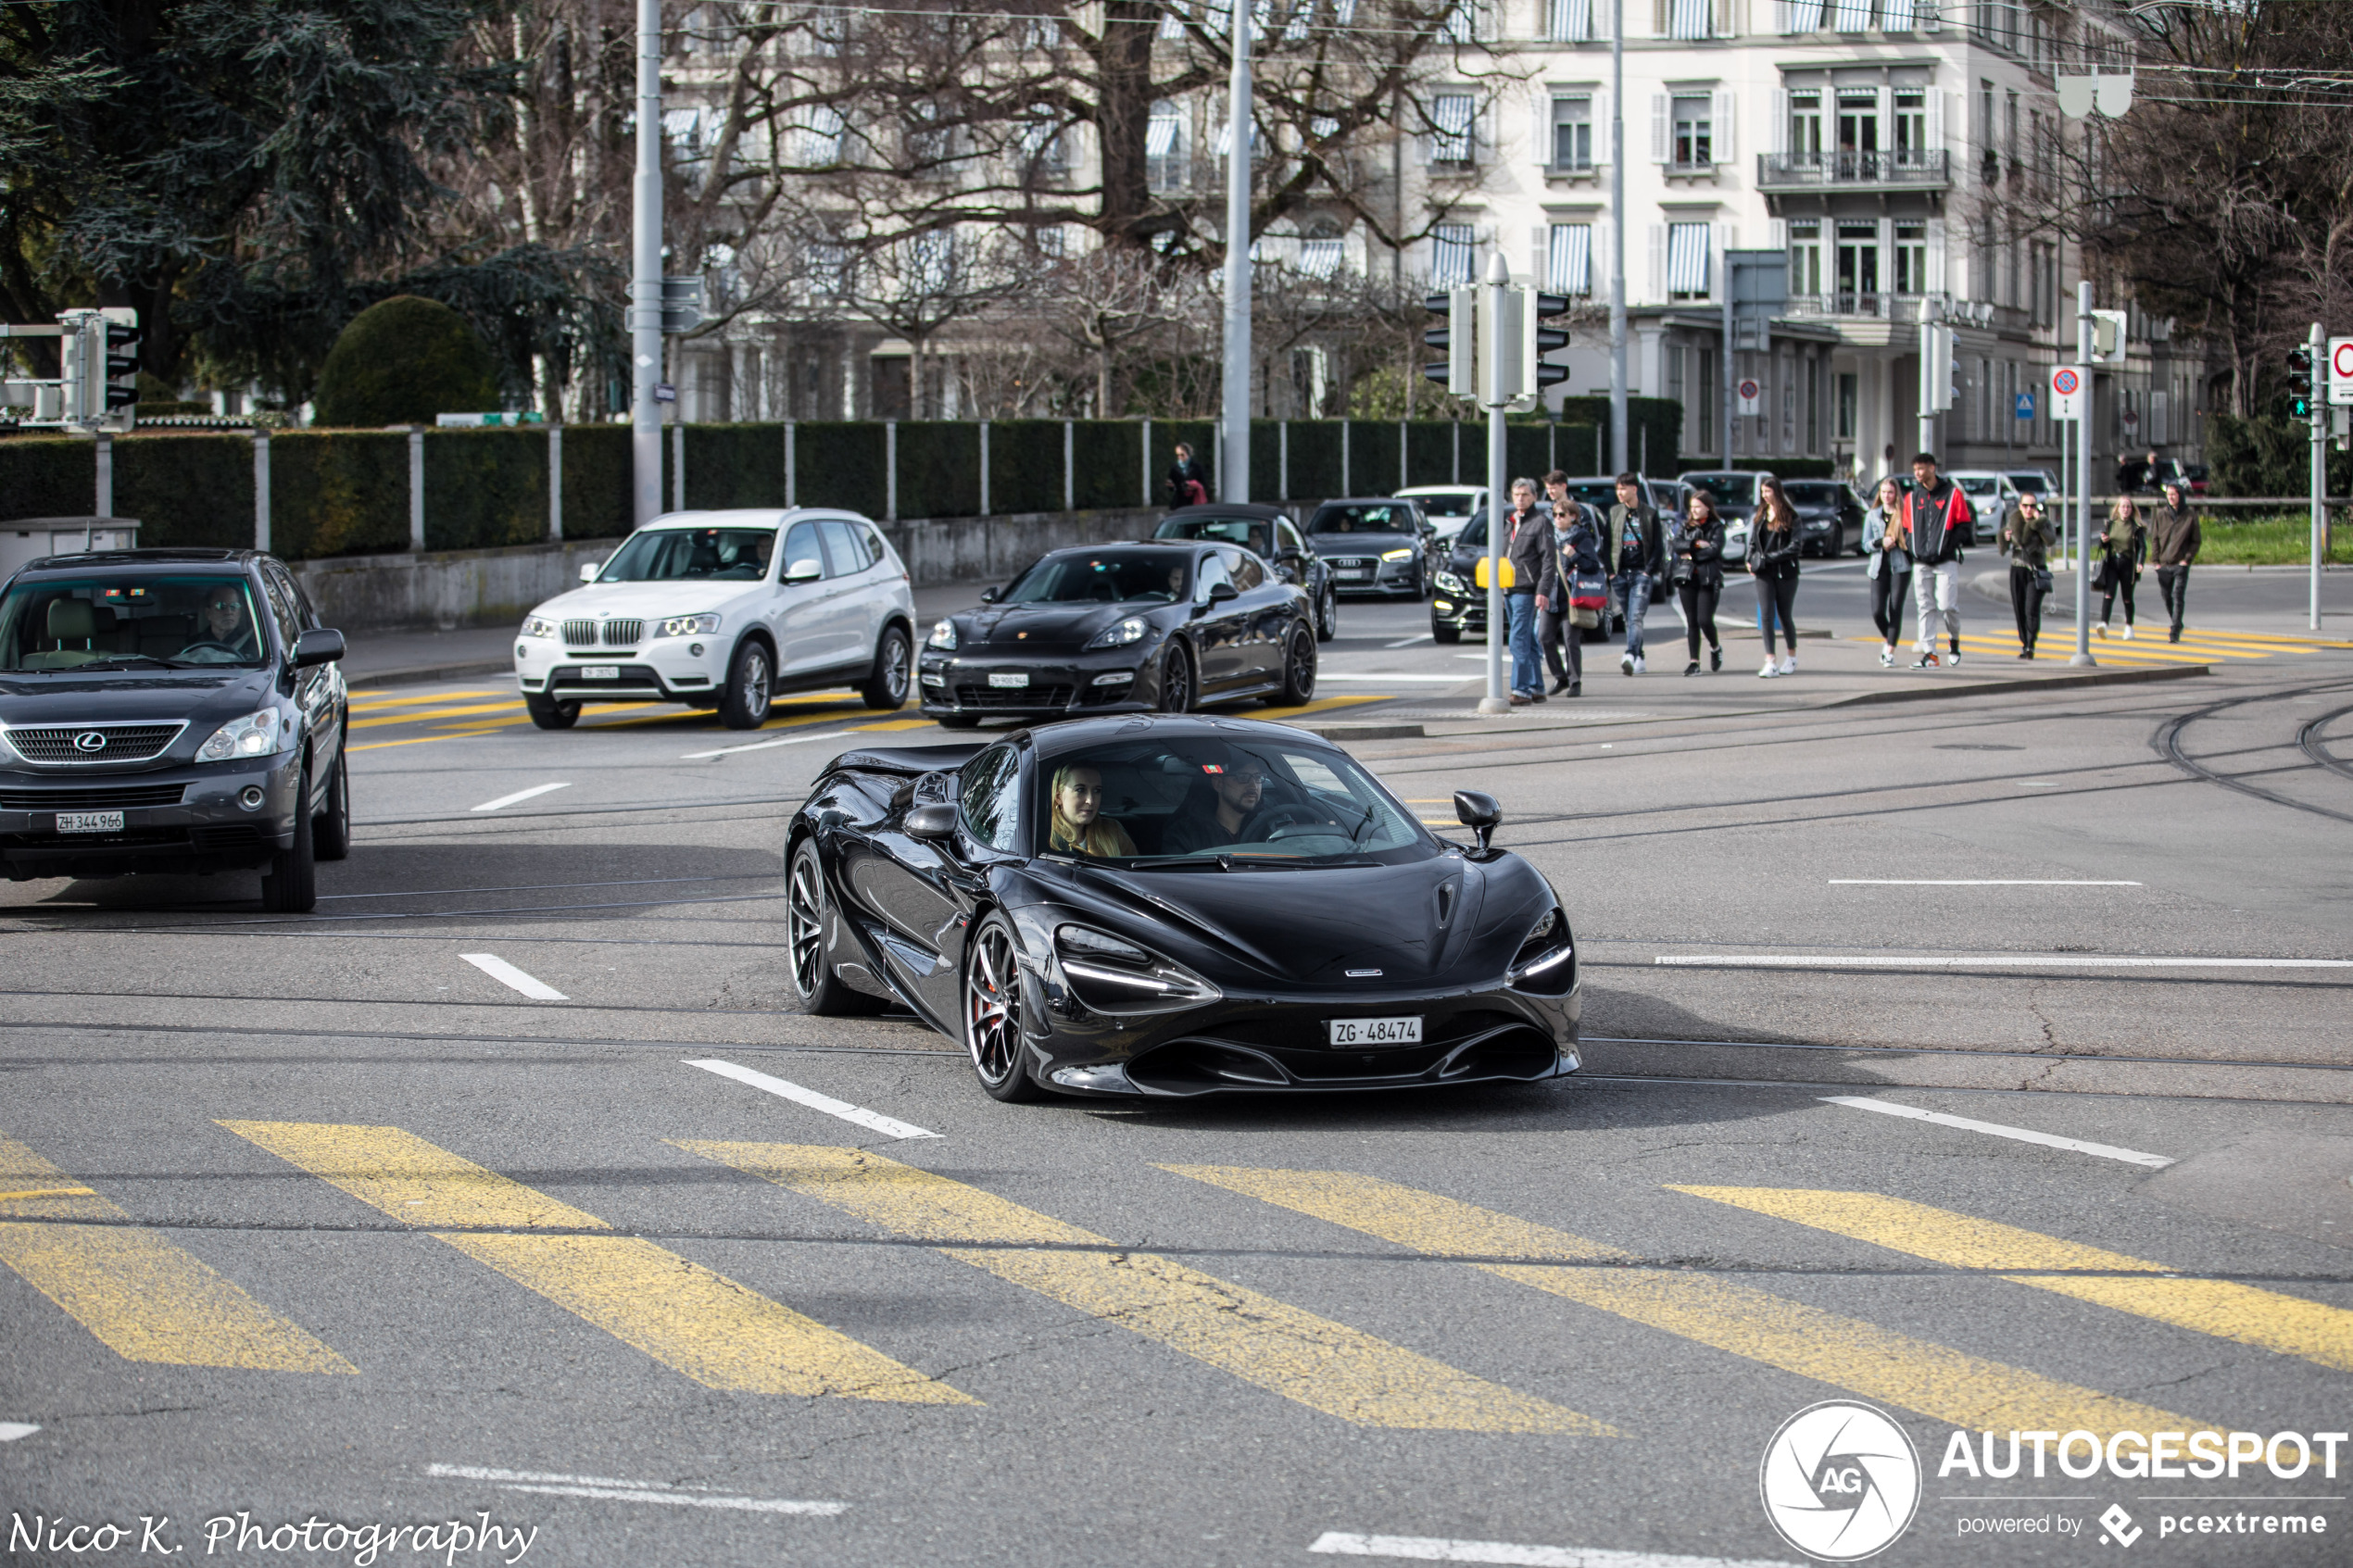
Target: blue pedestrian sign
x: 2025, y: 405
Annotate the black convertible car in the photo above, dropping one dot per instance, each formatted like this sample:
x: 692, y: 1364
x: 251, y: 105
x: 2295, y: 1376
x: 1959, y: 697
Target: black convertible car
x: 1132, y: 628
x: 1168, y: 907
x: 1268, y: 534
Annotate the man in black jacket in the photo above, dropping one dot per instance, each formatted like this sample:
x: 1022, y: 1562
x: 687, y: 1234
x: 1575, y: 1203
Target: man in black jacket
x: 1635, y: 556
x: 1937, y: 523
x: 1528, y: 530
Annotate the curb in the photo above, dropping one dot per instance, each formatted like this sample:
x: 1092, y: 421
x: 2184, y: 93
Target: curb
x: 419, y: 674
x: 1994, y: 688
x: 1368, y: 730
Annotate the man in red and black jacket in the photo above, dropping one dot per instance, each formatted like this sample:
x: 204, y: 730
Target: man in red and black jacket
x: 1937, y: 524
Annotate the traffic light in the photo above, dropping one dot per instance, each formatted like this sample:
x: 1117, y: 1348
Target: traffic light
x: 2107, y: 337
x: 1537, y: 339
x: 1460, y: 309
x: 120, y: 342
x: 2299, y: 382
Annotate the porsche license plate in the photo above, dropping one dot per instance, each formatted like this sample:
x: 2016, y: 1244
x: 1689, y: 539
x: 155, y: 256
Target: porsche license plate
x: 1374, y: 1030
x: 1014, y: 678
x: 600, y: 672
x: 89, y: 821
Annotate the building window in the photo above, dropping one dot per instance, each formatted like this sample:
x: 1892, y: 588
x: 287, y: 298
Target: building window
x: 1686, y: 259
x: 1451, y: 115
x: 1805, y: 129
x: 1805, y: 257
x: 1319, y: 258
x: 1849, y: 397
x: 1858, y: 264
x: 1857, y: 131
x: 1450, y: 254
x: 1707, y: 421
x: 1911, y: 258
x: 1165, y: 160
x: 817, y: 139
x: 1911, y: 126
x: 1573, y: 133
x: 1568, y: 258
x: 1895, y: 16
x: 1695, y: 132
x: 1681, y: 19
x: 1570, y: 22
x: 1850, y: 16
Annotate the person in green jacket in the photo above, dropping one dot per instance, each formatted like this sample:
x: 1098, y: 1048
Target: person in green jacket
x: 2027, y: 538
x: 2122, y: 549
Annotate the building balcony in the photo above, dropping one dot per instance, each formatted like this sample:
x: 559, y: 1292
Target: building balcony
x: 1906, y: 309
x: 1911, y: 170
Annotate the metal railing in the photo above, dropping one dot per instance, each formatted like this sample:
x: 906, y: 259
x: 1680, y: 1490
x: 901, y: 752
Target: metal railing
x: 1912, y: 168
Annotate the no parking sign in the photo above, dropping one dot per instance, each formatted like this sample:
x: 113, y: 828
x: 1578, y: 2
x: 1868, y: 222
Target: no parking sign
x: 1749, y: 393
x: 2067, y: 393
x: 2341, y: 369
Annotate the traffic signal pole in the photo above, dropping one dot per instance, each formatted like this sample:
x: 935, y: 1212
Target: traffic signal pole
x: 645, y: 281
x: 2324, y: 374
x: 2082, y: 655
x: 1496, y: 395
x: 1233, y: 460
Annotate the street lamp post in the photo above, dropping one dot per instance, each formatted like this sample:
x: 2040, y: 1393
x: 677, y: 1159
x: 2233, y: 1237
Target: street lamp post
x: 1617, y: 239
x: 1233, y: 466
x: 1496, y: 395
x: 645, y: 281
x: 2082, y: 655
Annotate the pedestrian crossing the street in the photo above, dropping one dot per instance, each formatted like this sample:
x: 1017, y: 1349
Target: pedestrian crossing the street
x: 148, y: 1299
x: 2149, y: 646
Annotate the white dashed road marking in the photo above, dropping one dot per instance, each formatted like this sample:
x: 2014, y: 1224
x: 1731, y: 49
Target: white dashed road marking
x: 1977, y: 961
x: 509, y: 976
x: 521, y: 795
x: 1434, y: 1549
x: 625, y: 1491
x: 12, y: 1430
x: 759, y: 745
x: 888, y: 1126
x: 1974, y: 882
x: 2022, y: 1135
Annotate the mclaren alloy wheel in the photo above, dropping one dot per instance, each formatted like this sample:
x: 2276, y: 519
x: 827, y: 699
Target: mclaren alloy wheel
x: 992, y: 1012
x: 818, y: 988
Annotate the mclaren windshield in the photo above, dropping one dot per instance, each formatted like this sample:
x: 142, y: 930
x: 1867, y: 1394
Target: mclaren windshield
x: 132, y: 619
x: 1212, y: 804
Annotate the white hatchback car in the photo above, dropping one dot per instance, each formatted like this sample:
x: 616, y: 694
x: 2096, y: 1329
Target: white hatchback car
x: 705, y: 609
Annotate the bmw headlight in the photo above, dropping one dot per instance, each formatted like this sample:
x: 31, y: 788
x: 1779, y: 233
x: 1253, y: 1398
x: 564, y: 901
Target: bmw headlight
x: 1111, y: 974
x: 538, y: 626
x: 942, y: 636
x: 1131, y: 630
x: 256, y: 734
x: 687, y: 626
x: 1448, y: 583
x: 1397, y: 555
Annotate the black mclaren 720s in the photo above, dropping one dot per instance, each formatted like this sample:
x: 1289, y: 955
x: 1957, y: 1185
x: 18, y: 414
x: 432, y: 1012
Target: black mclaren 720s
x: 1167, y: 906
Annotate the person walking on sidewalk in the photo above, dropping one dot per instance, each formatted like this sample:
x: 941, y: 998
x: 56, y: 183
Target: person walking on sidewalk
x: 1890, y: 571
x: 1772, y: 561
x: 1530, y: 530
x: 1635, y: 557
x: 1188, y: 485
x: 2122, y: 549
x: 2028, y: 539
x: 1577, y: 553
x: 1696, y: 566
x: 1937, y: 524
x: 2173, y: 540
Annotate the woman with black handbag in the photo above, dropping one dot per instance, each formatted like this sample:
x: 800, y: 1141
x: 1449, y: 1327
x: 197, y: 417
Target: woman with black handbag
x: 1890, y: 566
x: 2122, y: 549
x: 1573, y: 573
x: 2028, y: 539
x: 1695, y: 565
x: 1773, y: 548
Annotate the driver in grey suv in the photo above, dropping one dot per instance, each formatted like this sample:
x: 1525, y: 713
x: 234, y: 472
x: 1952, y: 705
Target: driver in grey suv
x: 224, y: 621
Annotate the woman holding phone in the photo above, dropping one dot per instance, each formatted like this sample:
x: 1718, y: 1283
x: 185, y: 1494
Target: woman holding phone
x: 1697, y: 564
x: 1890, y: 571
x: 1772, y: 561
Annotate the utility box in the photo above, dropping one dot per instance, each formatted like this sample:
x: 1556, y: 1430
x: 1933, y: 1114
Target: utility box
x: 28, y: 538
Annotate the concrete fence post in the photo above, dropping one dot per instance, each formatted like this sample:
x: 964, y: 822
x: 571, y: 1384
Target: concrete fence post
x: 104, y: 506
x: 792, y: 464
x: 1070, y: 470
x: 678, y: 468
x: 1282, y: 459
x: 555, y: 485
x: 984, y: 468
x: 261, y: 490
x: 1551, y: 445
x: 1347, y: 473
x: 1458, y: 452
x: 1404, y: 469
x: 417, y: 490
x: 891, y: 470
x: 1147, y: 498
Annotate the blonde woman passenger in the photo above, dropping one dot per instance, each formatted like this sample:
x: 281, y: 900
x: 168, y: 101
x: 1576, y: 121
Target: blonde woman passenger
x: 1890, y: 564
x: 1079, y: 826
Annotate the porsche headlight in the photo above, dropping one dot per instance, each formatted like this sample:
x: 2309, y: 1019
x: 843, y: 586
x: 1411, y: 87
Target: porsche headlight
x: 1131, y: 630
x: 942, y: 636
x: 1449, y: 583
x: 538, y: 626
x: 687, y: 626
x: 256, y: 734
x: 1397, y: 555
x: 1547, y: 957
x: 1111, y: 974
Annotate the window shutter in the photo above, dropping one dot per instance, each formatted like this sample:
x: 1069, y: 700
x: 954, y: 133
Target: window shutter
x: 1539, y: 246
x: 1658, y: 261
x: 1726, y: 101
x: 1660, y: 12
x: 1935, y: 105
x: 1779, y: 229
x: 1543, y: 126
x: 1936, y: 255
x: 1725, y: 26
x: 1662, y: 129
x: 1605, y: 146
x: 1777, y: 133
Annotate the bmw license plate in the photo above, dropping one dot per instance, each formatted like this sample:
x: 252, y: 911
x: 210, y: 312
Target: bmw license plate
x: 1010, y: 678
x: 89, y: 821
x: 600, y: 672
x: 1375, y: 1030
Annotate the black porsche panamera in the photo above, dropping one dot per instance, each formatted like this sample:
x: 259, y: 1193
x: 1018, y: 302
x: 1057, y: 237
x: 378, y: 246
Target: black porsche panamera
x: 1164, y: 907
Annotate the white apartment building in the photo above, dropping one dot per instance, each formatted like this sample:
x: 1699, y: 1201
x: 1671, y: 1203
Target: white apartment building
x: 1860, y: 137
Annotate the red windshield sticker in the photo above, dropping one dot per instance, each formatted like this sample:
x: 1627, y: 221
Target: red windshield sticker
x: 1210, y: 768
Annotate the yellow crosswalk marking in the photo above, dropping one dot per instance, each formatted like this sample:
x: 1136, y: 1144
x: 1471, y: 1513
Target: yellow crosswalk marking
x: 418, y: 716
x: 1321, y: 705
x: 689, y: 1318
x: 1325, y: 1366
x: 369, y: 702
x: 143, y: 1298
x: 1844, y: 1352
x: 2289, y: 1324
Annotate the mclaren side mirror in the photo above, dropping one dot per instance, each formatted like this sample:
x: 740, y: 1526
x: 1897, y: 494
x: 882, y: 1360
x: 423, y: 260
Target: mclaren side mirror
x: 931, y: 823
x: 803, y: 571
x: 320, y: 644
x: 1478, y: 811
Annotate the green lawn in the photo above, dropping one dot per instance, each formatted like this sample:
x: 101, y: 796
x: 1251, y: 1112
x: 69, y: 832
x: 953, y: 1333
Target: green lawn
x: 2271, y: 540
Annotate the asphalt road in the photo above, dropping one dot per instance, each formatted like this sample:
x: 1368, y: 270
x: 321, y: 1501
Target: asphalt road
x: 421, y: 1211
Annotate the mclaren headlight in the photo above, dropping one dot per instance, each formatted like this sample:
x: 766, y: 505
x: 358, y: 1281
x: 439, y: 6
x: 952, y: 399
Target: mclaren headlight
x: 943, y: 636
x: 1111, y: 974
x: 688, y: 626
x: 256, y: 734
x: 1131, y: 630
x: 1546, y: 961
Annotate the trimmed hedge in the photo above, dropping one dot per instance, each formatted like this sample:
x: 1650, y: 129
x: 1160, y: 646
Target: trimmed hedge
x: 187, y: 490
x: 1106, y: 460
x: 1653, y: 429
x: 1372, y: 457
x: 939, y: 468
x: 484, y: 488
x: 1201, y: 435
x: 1430, y: 452
x: 338, y: 493
x: 48, y: 476
x: 597, y: 481
x: 1314, y: 460
x: 1024, y: 466
x: 841, y: 465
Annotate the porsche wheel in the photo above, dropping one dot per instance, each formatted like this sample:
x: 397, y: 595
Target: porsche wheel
x: 818, y: 990
x: 1177, y: 680
x: 1327, y: 614
x: 1299, y: 669
x: 992, y: 1013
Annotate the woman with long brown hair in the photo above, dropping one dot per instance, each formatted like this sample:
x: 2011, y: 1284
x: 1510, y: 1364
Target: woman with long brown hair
x: 1773, y: 548
x: 1079, y: 826
x: 1696, y: 563
x: 1890, y: 567
x: 2122, y: 549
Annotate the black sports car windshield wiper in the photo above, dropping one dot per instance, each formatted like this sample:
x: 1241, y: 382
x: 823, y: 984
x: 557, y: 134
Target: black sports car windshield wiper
x: 1178, y: 862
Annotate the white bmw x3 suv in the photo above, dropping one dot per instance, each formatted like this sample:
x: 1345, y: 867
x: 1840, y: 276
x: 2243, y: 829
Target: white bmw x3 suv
x: 725, y: 609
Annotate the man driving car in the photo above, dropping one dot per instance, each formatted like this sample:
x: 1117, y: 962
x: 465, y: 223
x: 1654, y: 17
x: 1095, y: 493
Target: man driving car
x: 225, y: 622
x: 1218, y: 808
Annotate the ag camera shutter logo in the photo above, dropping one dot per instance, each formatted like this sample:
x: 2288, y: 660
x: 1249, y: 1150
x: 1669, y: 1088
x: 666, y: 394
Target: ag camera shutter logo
x: 1841, y: 1481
